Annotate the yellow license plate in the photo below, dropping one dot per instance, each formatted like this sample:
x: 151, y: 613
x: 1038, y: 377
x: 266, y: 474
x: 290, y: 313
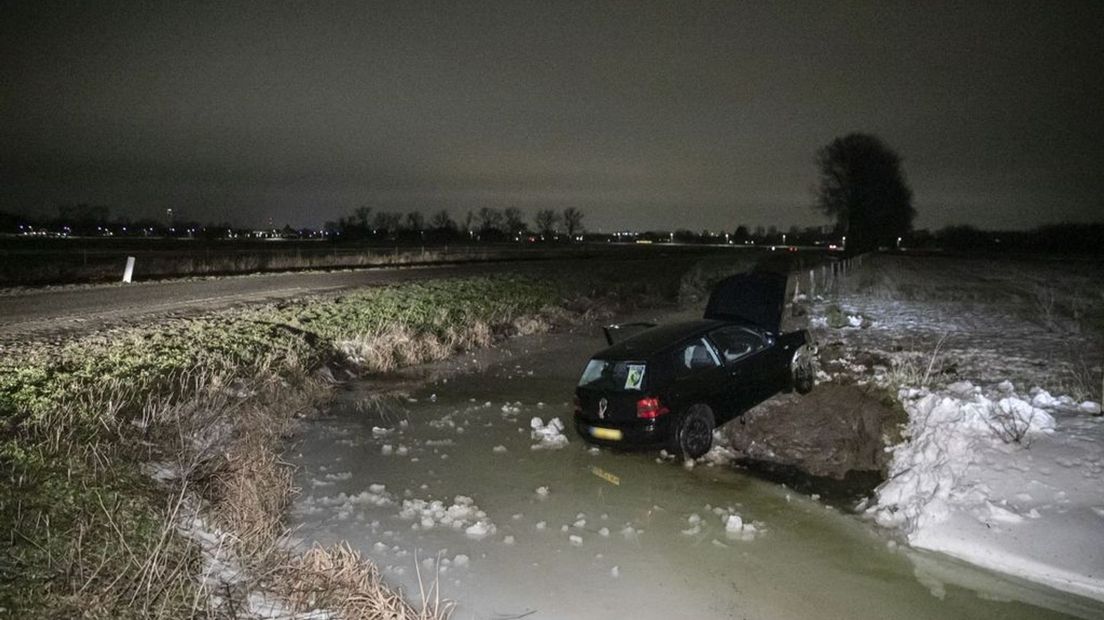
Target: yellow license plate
x: 609, y: 434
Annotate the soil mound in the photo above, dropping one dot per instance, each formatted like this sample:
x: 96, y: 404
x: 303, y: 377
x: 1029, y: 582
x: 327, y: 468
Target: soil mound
x: 829, y: 432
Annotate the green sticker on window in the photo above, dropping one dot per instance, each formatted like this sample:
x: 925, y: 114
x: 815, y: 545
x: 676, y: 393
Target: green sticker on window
x: 635, y: 378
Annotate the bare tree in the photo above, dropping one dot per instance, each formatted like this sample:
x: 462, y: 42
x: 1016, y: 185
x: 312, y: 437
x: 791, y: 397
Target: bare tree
x: 546, y: 221
x: 514, y: 223
x: 361, y: 215
x: 442, y: 221
x: 415, y: 221
x: 468, y: 219
x: 386, y: 222
x: 573, y: 221
x: 357, y: 225
x: 489, y: 219
x: 863, y: 188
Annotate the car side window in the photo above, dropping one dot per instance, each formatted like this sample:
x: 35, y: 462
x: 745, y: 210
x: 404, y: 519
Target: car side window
x: 736, y: 342
x: 696, y: 355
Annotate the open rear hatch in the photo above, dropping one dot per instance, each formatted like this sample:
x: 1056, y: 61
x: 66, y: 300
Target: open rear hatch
x: 756, y: 298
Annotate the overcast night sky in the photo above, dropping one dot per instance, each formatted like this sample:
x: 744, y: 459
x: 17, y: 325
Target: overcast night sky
x: 642, y: 114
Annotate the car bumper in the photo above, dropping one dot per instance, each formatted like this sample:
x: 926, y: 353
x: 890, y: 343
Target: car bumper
x: 632, y: 434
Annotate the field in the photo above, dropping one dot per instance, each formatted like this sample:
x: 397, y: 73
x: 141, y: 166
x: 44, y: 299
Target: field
x: 34, y: 262
x: 1036, y: 322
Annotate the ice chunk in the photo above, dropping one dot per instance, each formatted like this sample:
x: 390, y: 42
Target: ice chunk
x: 1000, y: 513
x: 548, y: 436
x: 1027, y: 416
x: 1043, y: 400
x: 542, y: 491
x: 1090, y: 407
x: 615, y: 571
x: 480, y: 529
x: 734, y: 523
x: 576, y: 540
x: 498, y: 449
x: 460, y: 560
x: 962, y: 389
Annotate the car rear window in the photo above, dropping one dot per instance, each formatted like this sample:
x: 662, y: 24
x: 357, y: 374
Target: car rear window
x: 613, y: 375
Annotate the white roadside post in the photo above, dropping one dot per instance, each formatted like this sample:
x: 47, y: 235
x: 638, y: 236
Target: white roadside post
x: 129, y: 271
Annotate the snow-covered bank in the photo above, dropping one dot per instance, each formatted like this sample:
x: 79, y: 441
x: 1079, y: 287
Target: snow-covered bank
x: 1010, y: 482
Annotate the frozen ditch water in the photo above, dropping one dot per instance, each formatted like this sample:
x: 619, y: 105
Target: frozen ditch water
x: 461, y: 479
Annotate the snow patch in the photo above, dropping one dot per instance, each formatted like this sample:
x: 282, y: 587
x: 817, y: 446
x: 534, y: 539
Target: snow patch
x: 993, y: 478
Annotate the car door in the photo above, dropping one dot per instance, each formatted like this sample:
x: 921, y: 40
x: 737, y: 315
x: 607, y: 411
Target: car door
x: 748, y: 365
x: 698, y: 376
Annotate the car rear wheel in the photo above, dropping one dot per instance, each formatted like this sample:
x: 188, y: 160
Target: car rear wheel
x: 803, y: 370
x: 693, y: 434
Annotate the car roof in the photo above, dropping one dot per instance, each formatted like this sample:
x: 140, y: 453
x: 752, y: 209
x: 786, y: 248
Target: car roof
x: 654, y: 340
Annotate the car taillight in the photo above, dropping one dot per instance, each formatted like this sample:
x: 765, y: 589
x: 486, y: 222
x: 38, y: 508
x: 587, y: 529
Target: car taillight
x: 578, y: 406
x: 649, y: 408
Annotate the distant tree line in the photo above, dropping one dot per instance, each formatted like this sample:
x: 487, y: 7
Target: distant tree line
x: 1064, y: 238
x: 489, y: 225
x: 90, y: 220
x: 484, y: 224
x: 363, y: 224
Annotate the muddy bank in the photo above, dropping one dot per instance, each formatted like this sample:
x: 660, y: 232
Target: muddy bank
x: 832, y: 431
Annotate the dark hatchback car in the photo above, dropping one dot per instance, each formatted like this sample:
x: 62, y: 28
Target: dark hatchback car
x: 670, y: 385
